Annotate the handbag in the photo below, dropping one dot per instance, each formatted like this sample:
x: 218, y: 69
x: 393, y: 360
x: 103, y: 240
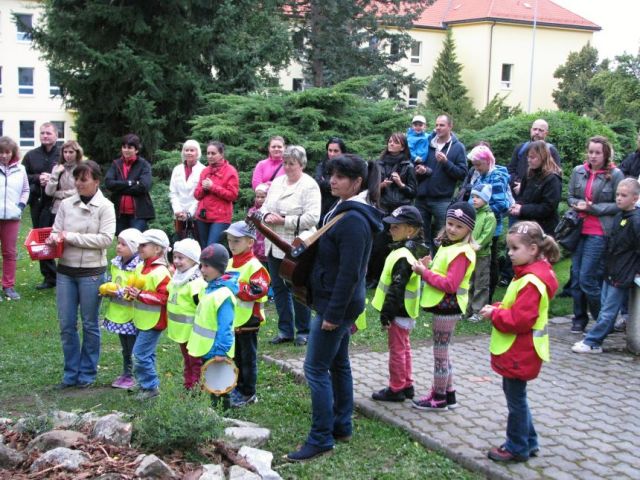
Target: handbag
x: 567, y: 232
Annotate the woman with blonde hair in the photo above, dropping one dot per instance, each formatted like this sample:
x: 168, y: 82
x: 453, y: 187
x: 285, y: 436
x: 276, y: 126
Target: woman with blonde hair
x: 61, y: 183
x: 184, y: 179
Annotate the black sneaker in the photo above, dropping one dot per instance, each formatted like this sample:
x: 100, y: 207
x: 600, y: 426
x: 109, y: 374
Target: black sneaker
x: 45, y: 285
x: 63, y: 386
x: 577, y: 328
x: 307, y: 452
x: 409, y: 392
x: 278, y: 340
x: 388, y: 395
x: 451, y: 400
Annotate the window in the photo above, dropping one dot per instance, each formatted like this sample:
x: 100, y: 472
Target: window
x: 54, y: 86
x: 25, y: 81
x: 27, y: 133
x: 23, y: 24
x: 297, y: 85
x: 60, y: 128
x: 507, y: 73
x: 416, y: 47
x: 394, y: 48
x: 413, y: 95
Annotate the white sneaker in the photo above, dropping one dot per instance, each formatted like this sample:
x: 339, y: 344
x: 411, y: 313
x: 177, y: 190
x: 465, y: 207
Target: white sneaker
x: 581, y: 347
x: 475, y: 318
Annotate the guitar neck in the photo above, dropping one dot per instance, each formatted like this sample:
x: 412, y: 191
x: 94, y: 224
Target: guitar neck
x: 256, y: 220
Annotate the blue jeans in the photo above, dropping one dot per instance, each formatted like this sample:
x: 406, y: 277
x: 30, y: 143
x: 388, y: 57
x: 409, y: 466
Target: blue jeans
x: 289, y: 310
x: 521, y: 436
x: 80, y: 361
x: 328, y: 373
x: 433, y: 212
x: 209, y: 233
x: 246, y: 359
x: 612, y: 300
x: 144, y: 356
x: 130, y: 221
x: 587, y: 272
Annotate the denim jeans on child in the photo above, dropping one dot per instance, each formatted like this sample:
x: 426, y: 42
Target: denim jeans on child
x: 612, y: 300
x: 587, y: 271
x: 247, y: 362
x: 521, y: 436
x: 328, y: 373
x: 289, y: 310
x: 144, y: 356
x: 80, y: 361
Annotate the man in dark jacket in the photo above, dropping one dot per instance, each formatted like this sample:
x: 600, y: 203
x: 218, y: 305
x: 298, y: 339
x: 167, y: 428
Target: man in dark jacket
x: 630, y: 166
x: 129, y: 181
x: 438, y: 174
x: 38, y: 163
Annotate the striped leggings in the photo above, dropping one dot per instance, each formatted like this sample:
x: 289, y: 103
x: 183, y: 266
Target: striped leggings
x: 443, y: 327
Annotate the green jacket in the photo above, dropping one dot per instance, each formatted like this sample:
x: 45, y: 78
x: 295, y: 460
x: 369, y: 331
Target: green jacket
x: 483, y: 231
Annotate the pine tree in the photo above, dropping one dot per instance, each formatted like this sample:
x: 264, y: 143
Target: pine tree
x: 445, y: 91
x: 145, y: 66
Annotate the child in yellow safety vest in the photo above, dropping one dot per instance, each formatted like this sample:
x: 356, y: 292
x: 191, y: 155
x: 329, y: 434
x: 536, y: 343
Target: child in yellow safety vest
x: 212, y: 333
x: 397, y: 298
x: 184, y: 288
x: 446, y: 294
x: 149, y: 309
x: 519, y: 339
x: 119, y: 313
x: 253, y: 286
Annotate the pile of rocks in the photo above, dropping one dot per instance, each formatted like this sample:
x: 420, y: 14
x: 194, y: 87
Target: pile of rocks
x: 99, y: 447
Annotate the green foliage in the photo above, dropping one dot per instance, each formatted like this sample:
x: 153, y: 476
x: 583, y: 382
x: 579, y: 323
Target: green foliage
x: 445, y: 90
x: 144, y: 66
x: 162, y: 205
x: 175, y: 421
x: 496, y: 110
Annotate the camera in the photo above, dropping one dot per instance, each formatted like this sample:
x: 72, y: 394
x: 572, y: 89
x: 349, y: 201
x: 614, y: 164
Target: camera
x: 203, y: 213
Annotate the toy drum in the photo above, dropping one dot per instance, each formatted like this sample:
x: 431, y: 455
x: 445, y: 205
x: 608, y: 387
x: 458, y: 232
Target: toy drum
x: 219, y: 377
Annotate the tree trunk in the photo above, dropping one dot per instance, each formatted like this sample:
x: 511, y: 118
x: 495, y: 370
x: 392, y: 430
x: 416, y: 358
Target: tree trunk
x: 317, y: 64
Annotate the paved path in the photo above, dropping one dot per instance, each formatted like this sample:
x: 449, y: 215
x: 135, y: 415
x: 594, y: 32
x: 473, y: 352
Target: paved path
x: 586, y: 409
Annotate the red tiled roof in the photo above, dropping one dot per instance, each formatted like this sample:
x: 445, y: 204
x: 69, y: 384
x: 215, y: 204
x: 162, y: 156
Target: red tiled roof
x: 443, y: 12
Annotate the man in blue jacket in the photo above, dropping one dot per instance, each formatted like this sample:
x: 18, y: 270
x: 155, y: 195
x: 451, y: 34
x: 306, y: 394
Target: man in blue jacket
x: 438, y: 175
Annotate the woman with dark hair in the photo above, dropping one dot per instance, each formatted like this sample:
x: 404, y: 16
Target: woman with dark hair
x: 86, y: 224
x: 129, y: 181
x: 61, y: 183
x: 216, y: 191
x: 335, y: 146
x: 338, y: 292
x: 397, y: 187
x: 592, y: 193
x: 541, y: 190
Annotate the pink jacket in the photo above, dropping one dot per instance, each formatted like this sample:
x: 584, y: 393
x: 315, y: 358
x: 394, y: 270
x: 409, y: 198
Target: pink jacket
x: 264, y: 171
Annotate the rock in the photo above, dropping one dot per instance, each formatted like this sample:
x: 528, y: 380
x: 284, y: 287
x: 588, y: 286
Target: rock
x: 251, y: 436
x: 212, y: 472
x: 239, y: 473
x: 261, y: 461
x: 54, y: 439
x: 113, y: 430
x: 1, y: 439
x: 110, y: 476
x: 88, y: 419
x: 152, y: 467
x: 66, y: 458
x: 10, y: 458
x: 239, y: 423
x: 5, y: 421
x: 62, y: 419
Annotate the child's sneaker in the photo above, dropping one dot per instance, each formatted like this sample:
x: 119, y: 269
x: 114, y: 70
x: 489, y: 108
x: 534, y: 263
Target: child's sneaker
x: 475, y: 318
x: 409, y: 392
x: 452, y: 404
x: 433, y: 401
x: 388, y: 395
x: 581, y: 347
x: 125, y: 382
x: 240, y: 400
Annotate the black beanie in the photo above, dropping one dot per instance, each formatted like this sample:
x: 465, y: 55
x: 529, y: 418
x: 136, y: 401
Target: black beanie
x: 216, y: 256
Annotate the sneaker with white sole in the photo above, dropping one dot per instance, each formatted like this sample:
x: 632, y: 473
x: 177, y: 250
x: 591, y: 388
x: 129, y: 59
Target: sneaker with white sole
x: 475, y: 318
x: 581, y: 347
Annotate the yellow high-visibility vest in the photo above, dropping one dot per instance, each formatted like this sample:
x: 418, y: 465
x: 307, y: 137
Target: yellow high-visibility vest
x: 145, y: 316
x: 412, y: 289
x: 181, y: 309
x: 205, y: 323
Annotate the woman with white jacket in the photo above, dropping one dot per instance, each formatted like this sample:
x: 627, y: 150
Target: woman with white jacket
x: 184, y: 180
x: 14, y: 194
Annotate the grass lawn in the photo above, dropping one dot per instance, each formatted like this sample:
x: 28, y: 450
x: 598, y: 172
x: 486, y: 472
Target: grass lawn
x: 31, y: 363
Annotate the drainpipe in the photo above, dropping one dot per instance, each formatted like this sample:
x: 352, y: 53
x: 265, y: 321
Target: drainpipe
x: 533, y: 52
x: 490, y: 59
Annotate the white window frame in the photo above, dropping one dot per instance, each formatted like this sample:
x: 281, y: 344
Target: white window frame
x: 27, y: 141
x: 293, y: 84
x: 53, y: 88
x: 506, y: 83
x: 23, y: 36
x: 24, y: 89
x: 415, y: 58
x: 60, y: 125
x: 412, y: 100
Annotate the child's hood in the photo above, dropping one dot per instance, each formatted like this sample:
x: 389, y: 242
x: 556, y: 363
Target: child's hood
x: 544, y: 271
x: 229, y: 280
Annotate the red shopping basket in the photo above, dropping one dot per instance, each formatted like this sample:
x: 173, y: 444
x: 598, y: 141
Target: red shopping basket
x: 36, y: 247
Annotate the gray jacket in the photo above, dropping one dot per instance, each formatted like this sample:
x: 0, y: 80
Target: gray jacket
x: 604, y: 194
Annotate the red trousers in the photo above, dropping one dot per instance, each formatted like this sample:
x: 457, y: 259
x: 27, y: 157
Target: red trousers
x: 8, y: 237
x: 400, y: 367
x: 192, y: 366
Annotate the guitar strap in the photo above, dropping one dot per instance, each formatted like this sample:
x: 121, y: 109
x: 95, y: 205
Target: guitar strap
x: 311, y: 239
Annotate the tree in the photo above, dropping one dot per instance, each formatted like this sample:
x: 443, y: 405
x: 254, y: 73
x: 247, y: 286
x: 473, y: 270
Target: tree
x: 339, y: 39
x: 575, y: 92
x: 445, y: 90
x: 127, y: 66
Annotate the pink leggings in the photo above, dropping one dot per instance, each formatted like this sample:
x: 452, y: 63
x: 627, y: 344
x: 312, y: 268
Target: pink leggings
x: 8, y: 237
x: 443, y: 327
x: 400, y: 368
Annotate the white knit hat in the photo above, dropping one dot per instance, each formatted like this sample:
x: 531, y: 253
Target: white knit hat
x: 132, y: 237
x: 157, y: 237
x: 189, y: 248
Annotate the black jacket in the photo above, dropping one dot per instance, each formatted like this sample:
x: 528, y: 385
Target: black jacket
x: 393, y: 305
x: 540, y: 197
x: 322, y: 176
x: 441, y: 178
x: 630, y: 166
x: 35, y: 162
x: 623, y: 249
x: 392, y: 196
x: 137, y: 185
x: 519, y: 164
